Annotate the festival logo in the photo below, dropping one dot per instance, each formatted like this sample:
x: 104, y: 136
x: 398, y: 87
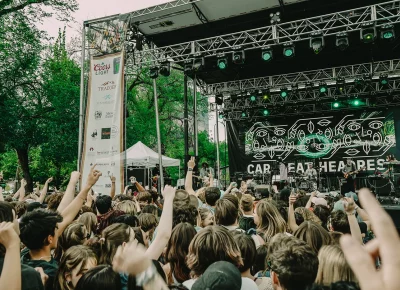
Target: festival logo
x: 97, y: 115
x: 107, y: 86
x: 105, y: 133
x: 101, y: 69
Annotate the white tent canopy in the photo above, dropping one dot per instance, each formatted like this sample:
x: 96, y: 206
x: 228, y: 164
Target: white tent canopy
x: 142, y: 156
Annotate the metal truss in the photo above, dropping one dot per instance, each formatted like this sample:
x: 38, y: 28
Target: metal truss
x: 299, y: 30
x: 327, y: 75
x: 303, y: 109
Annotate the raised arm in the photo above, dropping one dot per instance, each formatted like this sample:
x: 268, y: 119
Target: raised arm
x: 164, y: 228
x: 112, y: 193
x: 291, y: 218
x: 44, y: 190
x: 69, y: 192
x: 22, y: 190
x: 1, y: 194
x: 10, y: 277
x: 309, y: 202
x: 73, y: 208
x: 139, y: 187
x: 189, y: 176
x: 349, y: 207
x: 18, y: 191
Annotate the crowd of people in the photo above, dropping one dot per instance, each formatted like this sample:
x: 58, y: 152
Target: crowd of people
x: 186, y: 239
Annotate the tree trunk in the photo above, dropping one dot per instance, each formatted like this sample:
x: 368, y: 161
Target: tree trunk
x: 23, y: 158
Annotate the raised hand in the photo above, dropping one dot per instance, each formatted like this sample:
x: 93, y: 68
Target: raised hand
x: 387, y: 243
x: 49, y: 180
x: 43, y: 275
x: 8, y: 236
x: 112, y: 178
x: 131, y: 259
x: 23, y: 182
x: 292, y: 199
x: 94, y: 176
x: 169, y: 192
x: 349, y: 204
x: 192, y: 162
x: 75, y: 175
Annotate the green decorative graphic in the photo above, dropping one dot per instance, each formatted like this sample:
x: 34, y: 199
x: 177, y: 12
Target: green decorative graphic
x: 304, y: 144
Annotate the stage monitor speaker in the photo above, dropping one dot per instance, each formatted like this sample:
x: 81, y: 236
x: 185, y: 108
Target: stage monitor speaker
x: 394, y: 212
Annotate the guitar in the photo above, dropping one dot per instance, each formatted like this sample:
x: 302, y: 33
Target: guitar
x: 347, y: 174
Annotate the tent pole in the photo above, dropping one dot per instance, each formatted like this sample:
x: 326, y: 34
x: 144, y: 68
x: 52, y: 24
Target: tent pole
x: 195, y: 129
x: 218, y: 164
x: 82, y: 95
x: 185, y: 122
x: 158, y: 135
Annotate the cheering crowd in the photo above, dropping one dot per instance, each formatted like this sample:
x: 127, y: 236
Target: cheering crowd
x: 185, y: 239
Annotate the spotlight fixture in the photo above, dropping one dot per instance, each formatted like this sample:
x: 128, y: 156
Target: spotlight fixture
x: 355, y: 102
x: 342, y: 41
x: 323, y: 88
x: 288, y: 50
x: 317, y: 42
x: 165, y: 69
x: 238, y: 57
x: 309, y: 86
x: 154, y: 72
x: 387, y: 32
x: 139, y: 42
x: 267, y: 54
x: 188, y: 67
x: 384, y: 80
x: 265, y: 112
x: 368, y: 32
x: 266, y: 94
x: 284, y: 92
x: 294, y: 87
x: 198, y: 63
x: 221, y: 115
x: 253, y: 98
x: 244, y: 114
x: 359, y: 83
x: 222, y: 62
x: 275, y: 17
x: 336, y: 105
x: 219, y: 99
x: 340, y: 84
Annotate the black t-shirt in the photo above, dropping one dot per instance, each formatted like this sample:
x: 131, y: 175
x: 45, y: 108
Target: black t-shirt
x: 30, y: 277
x: 246, y: 223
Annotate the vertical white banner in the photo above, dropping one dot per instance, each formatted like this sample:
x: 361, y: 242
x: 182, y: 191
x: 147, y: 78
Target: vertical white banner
x: 104, y: 122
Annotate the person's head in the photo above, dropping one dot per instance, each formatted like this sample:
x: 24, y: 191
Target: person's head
x: 338, y: 222
x: 226, y: 213
x: 205, y: 217
x: 293, y: 264
x: 246, y: 203
x: 349, y: 161
x: 112, y: 237
x: 7, y: 214
x: 144, y: 198
x: 333, y: 266
x: 122, y: 197
x: 150, y: 209
x: 89, y: 219
x: 268, y: 219
x: 127, y: 219
x: 103, y: 204
x: 177, y: 250
x: 100, y: 278
x: 259, y: 263
x: 284, y: 194
x: 212, y: 244
x: 307, y: 215
x: 261, y: 192
x: 75, y: 234
x: 204, y: 165
x: 181, y: 198
x: 75, y: 262
x: 148, y: 222
x: 194, y: 201
x: 127, y: 206
x: 212, y: 194
x: 38, y: 229
x: 322, y: 212
x: 247, y: 249
x: 313, y: 234
x: 183, y: 214
x: 20, y: 208
x: 54, y: 200
x: 301, y: 202
x: 310, y: 165
x: 220, y: 275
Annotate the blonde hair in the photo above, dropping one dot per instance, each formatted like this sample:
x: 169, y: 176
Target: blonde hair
x: 89, y: 219
x: 127, y: 206
x: 203, y: 214
x: 308, y: 215
x: 314, y: 235
x: 75, y: 234
x: 271, y: 221
x: 333, y: 266
x: 147, y: 221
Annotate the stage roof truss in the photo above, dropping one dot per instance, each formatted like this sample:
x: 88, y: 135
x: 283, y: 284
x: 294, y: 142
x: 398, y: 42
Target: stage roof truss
x: 327, y: 75
x: 331, y: 24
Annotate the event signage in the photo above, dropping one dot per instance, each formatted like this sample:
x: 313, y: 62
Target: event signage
x: 104, y: 122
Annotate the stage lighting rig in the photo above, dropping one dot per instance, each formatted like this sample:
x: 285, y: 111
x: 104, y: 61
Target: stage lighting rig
x: 198, y: 63
x: 244, y: 114
x: 238, y: 57
x: 265, y: 112
x: 222, y: 62
x: 340, y: 84
x: 384, y: 80
x: 267, y: 54
x: 387, y: 32
x: 294, y: 87
x: 221, y: 115
x: 165, y: 69
x: 309, y: 86
x: 288, y: 50
x: 284, y: 92
x: 188, y: 67
x: 323, y: 88
x: 359, y: 83
x: 317, y: 42
x: 154, y: 72
x: 368, y: 32
x: 219, y: 99
x: 342, y: 41
x: 266, y: 94
x: 275, y: 17
x: 253, y: 98
x: 336, y: 105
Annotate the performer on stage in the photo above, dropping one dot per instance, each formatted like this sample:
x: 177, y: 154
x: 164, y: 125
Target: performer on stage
x: 206, y: 170
x: 311, y: 173
x: 349, y: 172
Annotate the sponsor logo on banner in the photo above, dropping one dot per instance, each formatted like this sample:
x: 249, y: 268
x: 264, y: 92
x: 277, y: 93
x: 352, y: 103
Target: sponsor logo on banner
x: 112, y: 163
x: 107, y: 86
x: 107, y: 152
x: 109, y: 115
x: 117, y: 64
x: 108, y: 185
x: 98, y: 114
x: 105, y: 133
x: 94, y: 134
x: 102, y: 68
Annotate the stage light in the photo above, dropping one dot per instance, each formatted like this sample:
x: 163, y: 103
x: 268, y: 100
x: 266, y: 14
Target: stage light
x: 284, y: 92
x: 295, y: 87
x: 309, y: 86
x: 368, y: 32
x: 356, y: 102
x: 267, y: 54
x: 219, y: 99
x: 238, y: 57
x: 387, y: 32
x: 188, y: 67
x: 198, y: 63
x: 323, y: 88
x: 340, y: 84
x: 253, y: 98
x: 266, y: 94
x: 139, y: 42
x: 154, y: 72
x: 221, y: 115
x: 384, y: 80
x: 165, y: 69
x: 222, y: 62
x: 265, y: 112
x: 359, y: 83
x: 317, y: 42
x: 288, y: 50
x: 342, y: 41
x: 244, y: 114
x: 336, y: 105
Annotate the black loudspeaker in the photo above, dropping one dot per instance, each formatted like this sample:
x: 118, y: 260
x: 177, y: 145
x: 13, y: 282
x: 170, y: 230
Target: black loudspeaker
x: 139, y: 173
x: 394, y: 212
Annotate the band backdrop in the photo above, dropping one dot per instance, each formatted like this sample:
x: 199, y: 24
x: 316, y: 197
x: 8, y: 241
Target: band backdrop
x: 104, y: 122
x: 367, y: 137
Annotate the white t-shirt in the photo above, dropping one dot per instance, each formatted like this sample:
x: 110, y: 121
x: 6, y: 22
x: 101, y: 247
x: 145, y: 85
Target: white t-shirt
x: 247, y: 284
